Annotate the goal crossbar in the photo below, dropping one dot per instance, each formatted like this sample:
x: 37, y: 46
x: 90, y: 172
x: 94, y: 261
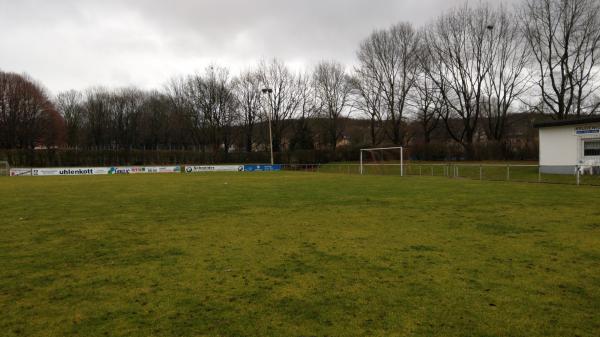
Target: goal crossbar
x: 400, y: 149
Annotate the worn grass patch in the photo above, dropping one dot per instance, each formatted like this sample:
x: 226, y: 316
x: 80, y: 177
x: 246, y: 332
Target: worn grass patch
x: 297, y: 254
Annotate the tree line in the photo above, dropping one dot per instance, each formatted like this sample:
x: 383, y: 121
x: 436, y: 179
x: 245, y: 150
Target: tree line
x: 462, y: 75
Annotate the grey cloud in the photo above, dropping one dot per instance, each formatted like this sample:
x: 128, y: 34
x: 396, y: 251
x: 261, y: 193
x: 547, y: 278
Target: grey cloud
x: 75, y: 44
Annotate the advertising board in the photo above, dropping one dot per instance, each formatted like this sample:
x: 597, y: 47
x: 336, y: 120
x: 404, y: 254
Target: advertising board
x: 587, y: 130
x: 20, y: 172
x: 262, y: 168
x: 143, y: 169
x: 209, y: 168
x: 67, y: 171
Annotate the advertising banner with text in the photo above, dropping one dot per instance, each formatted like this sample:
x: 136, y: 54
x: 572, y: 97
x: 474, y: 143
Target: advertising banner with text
x: 262, y: 168
x: 116, y: 170
x: 66, y: 171
x: 587, y: 130
x: 87, y: 171
x: 208, y: 168
x: 20, y: 172
x: 143, y: 169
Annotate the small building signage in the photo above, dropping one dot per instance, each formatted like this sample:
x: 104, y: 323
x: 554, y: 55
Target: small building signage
x: 587, y: 130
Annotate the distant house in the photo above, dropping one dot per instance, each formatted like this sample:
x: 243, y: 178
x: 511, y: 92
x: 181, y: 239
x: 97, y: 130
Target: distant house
x: 345, y: 140
x: 567, y: 144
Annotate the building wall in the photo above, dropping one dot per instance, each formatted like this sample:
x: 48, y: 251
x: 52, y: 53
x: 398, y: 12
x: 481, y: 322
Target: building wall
x: 561, y: 148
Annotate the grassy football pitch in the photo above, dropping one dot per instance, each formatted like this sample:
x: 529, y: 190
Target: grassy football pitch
x: 297, y: 254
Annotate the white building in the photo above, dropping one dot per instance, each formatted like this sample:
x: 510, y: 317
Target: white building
x: 568, y: 144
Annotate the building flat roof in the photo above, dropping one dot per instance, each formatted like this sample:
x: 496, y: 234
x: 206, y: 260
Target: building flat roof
x: 564, y: 122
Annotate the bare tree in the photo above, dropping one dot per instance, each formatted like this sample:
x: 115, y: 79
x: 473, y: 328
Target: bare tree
x: 332, y: 89
x: 388, y: 59
x: 70, y: 106
x: 154, y: 123
x: 125, y: 111
x: 284, y: 101
x: 428, y: 103
x: 99, y: 122
x: 213, y: 106
x: 303, y: 137
x: 458, y: 43
x: 248, y: 91
x: 507, y: 78
x: 367, y: 97
x: 185, y: 118
x: 564, y: 37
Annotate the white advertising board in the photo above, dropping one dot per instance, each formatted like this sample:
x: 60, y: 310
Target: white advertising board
x: 143, y: 169
x: 66, y: 171
x: 20, y: 172
x: 87, y: 171
x: 220, y: 168
x: 163, y: 169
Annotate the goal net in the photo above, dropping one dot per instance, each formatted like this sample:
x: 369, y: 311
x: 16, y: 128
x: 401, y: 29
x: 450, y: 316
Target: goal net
x: 383, y: 161
x: 4, y: 168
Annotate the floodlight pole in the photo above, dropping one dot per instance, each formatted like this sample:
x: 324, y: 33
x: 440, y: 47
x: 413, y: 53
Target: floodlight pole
x: 269, y: 92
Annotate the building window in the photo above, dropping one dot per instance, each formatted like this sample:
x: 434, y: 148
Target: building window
x: 591, y: 148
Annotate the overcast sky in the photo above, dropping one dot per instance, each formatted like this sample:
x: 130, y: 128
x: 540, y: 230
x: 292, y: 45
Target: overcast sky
x: 75, y: 44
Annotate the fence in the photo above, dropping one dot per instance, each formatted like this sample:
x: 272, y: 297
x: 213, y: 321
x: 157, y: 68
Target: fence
x: 489, y: 172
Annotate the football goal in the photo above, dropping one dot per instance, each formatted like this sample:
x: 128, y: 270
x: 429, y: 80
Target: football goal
x: 4, y: 168
x: 384, y: 160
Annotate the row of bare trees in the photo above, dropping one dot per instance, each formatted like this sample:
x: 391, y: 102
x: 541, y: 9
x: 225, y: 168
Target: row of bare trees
x: 473, y: 66
x: 212, y: 111
x: 463, y: 73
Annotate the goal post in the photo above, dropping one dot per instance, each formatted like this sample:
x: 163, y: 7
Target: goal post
x: 4, y: 168
x: 382, y: 157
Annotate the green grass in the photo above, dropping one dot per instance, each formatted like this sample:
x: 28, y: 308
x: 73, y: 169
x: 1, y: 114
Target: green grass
x: 297, y: 254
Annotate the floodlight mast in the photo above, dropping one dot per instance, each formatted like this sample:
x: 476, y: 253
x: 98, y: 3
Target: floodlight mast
x: 269, y: 92
x: 400, y: 148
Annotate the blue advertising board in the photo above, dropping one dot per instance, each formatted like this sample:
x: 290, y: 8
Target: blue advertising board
x: 587, y: 130
x: 262, y: 168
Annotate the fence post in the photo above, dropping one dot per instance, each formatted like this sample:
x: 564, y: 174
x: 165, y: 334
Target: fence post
x: 508, y: 172
x: 539, y: 173
x: 578, y: 175
x: 420, y: 170
x: 432, y: 170
x: 480, y: 172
